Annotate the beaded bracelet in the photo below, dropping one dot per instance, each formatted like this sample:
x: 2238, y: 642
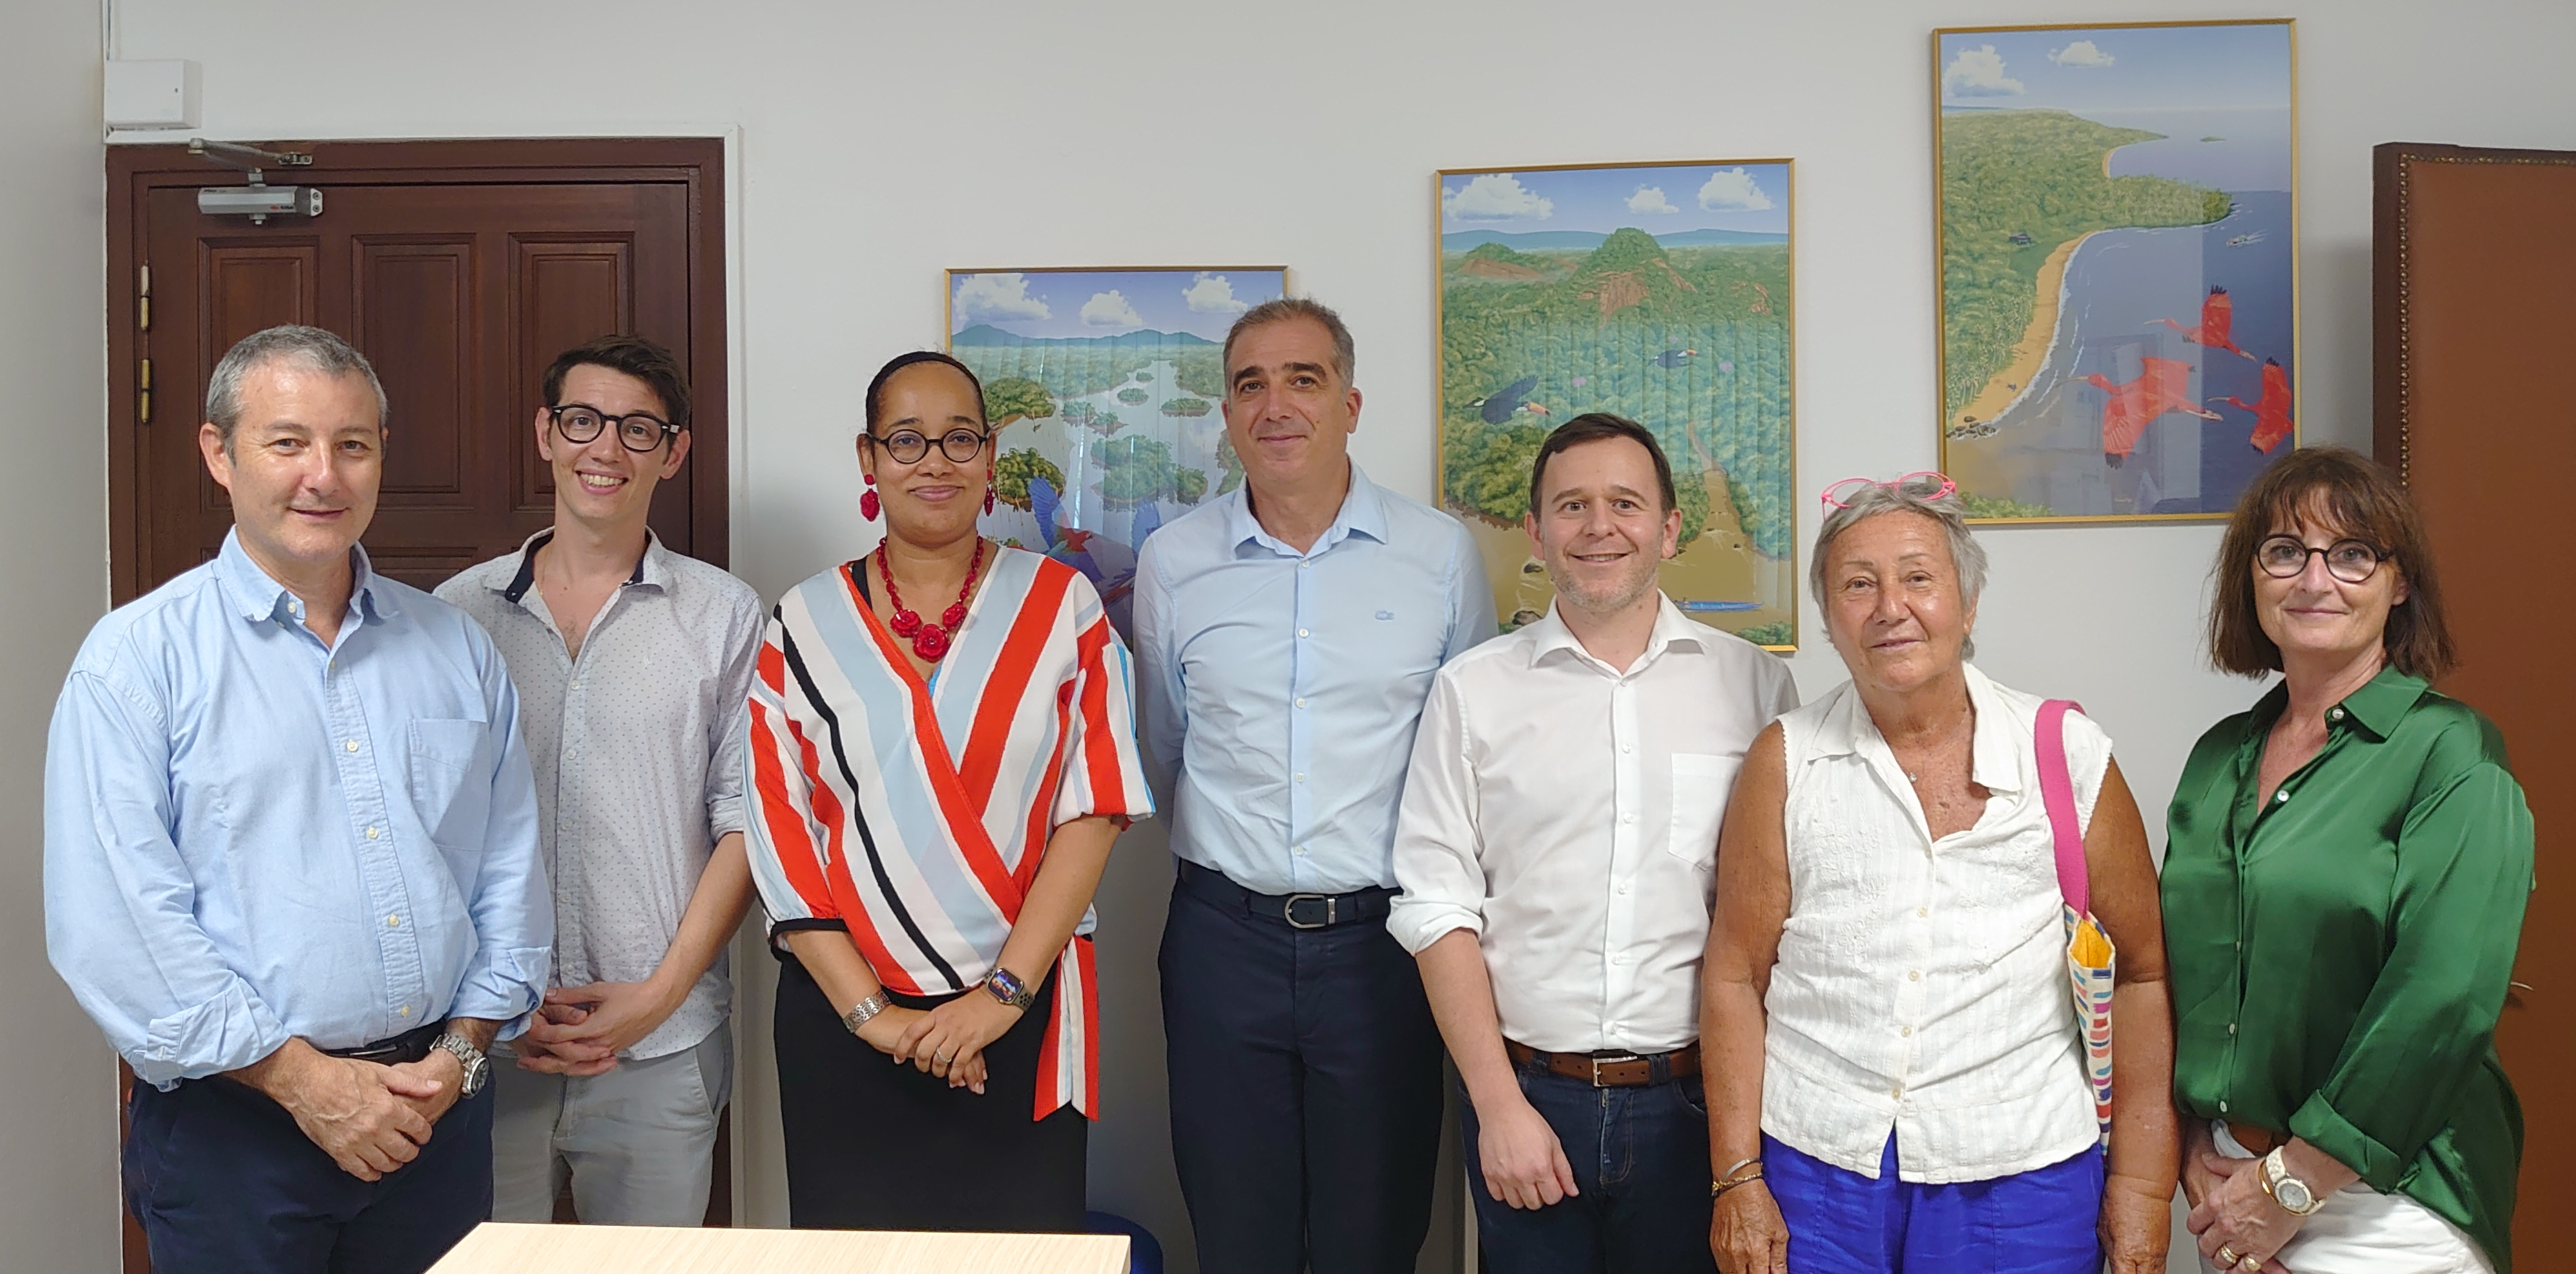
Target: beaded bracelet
x: 1751, y: 1170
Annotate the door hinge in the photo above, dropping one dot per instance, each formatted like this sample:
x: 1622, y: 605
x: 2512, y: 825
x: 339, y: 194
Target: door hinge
x: 143, y: 298
x: 143, y: 394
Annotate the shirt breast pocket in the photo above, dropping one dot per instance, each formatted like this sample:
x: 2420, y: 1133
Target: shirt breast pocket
x: 451, y: 765
x: 1701, y: 783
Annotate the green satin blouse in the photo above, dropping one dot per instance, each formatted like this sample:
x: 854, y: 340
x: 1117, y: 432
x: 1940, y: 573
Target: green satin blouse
x: 2339, y: 954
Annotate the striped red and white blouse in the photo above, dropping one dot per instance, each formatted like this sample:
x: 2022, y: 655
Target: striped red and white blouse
x: 916, y: 813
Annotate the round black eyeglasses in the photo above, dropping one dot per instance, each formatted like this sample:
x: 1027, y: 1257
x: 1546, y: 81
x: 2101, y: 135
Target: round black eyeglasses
x: 908, y: 446
x: 2283, y: 557
x: 636, y: 431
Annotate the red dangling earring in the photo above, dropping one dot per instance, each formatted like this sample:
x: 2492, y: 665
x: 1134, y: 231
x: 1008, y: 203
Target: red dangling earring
x: 988, y: 500
x: 868, y: 505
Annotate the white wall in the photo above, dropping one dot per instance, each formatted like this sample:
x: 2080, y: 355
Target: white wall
x: 881, y: 143
x: 58, y: 1116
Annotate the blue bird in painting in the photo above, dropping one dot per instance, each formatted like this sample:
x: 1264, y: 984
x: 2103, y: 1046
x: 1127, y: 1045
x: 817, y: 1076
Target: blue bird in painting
x: 1498, y: 408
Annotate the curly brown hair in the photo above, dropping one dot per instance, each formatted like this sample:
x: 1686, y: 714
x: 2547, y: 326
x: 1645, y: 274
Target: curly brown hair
x: 2345, y: 494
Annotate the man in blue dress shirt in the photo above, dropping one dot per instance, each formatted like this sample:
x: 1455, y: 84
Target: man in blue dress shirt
x: 291, y: 858
x: 1286, y: 637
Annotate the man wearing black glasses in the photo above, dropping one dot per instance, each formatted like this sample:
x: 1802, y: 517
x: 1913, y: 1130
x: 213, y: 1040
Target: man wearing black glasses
x: 633, y: 664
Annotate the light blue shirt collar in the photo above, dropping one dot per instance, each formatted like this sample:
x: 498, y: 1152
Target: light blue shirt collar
x: 257, y: 597
x: 1363, y: 512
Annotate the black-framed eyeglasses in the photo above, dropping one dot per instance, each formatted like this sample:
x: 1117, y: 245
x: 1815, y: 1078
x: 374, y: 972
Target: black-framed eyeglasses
x: 908, y: 446
x: 2284, y: 557
x: 637, y: 431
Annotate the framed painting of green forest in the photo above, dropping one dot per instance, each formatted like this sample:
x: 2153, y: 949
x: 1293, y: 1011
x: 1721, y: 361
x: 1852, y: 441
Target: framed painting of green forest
x: 1102, y: 387
x: 1660, y: 292
x: 2118, y: 231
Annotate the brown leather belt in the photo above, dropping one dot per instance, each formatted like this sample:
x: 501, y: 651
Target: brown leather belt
x: 2258, y: 1140
x: 1611, y: 1070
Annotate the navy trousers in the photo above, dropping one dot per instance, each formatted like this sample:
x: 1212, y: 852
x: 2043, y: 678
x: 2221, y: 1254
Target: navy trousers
x: 1640, y: 1159
x: 223, y: 1182
x: 1305, y: 1088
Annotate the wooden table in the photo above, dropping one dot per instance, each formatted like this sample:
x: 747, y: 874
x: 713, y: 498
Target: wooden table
x: 497, y: 1248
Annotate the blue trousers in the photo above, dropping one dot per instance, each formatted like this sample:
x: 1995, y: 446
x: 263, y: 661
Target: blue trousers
x: 1640, y: 1159
x: 1305, y: 1083
x: 1840, y: 1222
x: 224, y: 1182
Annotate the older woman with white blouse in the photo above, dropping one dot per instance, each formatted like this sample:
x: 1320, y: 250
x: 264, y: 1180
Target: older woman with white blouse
x: 1896, y: 1077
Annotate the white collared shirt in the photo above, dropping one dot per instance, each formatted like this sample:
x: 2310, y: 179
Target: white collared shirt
x: 1921, y: 985
x: 1566, y: 813
x: 637, y: 748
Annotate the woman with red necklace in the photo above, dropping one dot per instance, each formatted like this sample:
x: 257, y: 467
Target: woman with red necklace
x: 942, y: 751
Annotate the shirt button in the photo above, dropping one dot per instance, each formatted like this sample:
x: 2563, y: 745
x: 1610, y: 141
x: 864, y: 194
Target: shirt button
x: 576, y: 685
x: 404, y: 1011
x: 393, y: 922
x: 2231, y: 1028
x: 1906, y: 1031
x: 2280, y: 796
x: 1301, y: 703
x: 1301, y: 778
x: 1627, y: 747
x: 374, y: 832
x: 1923, y: 911
x: 1623, y: 886
x: 1301, y: 851
x: 2222, y: 1108
x: 1897, y: 1093
x: 1914, y: 975
x: 2336, y: 715
x: 1627, y: 818
x: 352, y: 745
x: 1301, y: 632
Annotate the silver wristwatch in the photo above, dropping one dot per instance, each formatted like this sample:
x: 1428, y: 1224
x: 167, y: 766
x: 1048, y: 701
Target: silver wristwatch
x: 863, y: 1010
x: 2292, y: 1194
x: 478, y: 1069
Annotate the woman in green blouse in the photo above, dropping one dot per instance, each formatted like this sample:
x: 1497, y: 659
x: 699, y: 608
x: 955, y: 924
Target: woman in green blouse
x: 2343, y: 889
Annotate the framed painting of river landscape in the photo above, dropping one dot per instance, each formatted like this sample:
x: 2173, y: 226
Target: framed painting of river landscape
x: 1659, y: 292
x: 1102, y: 387
x: 2118, y: 229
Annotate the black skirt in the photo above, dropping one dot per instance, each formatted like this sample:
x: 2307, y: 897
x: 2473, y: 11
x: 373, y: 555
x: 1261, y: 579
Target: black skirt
x: 876, y: 1146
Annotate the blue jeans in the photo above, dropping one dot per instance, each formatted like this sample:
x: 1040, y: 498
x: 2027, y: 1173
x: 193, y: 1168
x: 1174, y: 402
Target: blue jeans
x: 224, y: 1181
x: 1640, y: 1159
x: 1840, y: 1222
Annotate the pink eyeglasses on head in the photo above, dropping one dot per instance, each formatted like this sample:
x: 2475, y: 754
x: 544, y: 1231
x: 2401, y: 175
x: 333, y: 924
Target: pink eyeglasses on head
x: 1922, y: 484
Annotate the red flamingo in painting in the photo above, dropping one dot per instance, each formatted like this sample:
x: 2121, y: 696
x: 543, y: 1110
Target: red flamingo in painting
x: 2162, y: 385
x: 2272, y: 412
x: 2217, y: 316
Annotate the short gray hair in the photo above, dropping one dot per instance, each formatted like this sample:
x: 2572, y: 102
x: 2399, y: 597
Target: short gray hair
x: 1280, y: 310
x: 1968, y: 556
x: 305, y: 348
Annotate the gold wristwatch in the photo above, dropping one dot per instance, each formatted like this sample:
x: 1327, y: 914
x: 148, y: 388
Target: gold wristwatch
x: 2292, y: 1194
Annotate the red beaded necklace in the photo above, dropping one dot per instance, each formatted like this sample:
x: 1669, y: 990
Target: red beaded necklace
x: 930, y: 641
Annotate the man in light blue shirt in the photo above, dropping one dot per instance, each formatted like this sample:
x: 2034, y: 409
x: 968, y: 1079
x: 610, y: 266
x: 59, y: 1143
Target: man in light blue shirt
x: 291, y: 861
x: 1286, y: 637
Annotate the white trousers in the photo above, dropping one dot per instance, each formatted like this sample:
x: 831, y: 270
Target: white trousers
x: 2361, y: 1231
x: 638, y: 1141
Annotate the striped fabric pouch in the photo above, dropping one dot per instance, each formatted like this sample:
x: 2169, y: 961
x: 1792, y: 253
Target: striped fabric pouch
x: 2090, y: 958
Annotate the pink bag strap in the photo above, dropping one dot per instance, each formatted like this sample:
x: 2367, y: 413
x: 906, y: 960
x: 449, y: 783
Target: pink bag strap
x: 2057, y: 790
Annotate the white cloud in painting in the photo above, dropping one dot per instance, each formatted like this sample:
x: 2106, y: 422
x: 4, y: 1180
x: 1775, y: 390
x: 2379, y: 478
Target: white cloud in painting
x: 998, y: 297
x: 1110, y: 309
x: 1978, y: 72
x: 1732, y: 190
x: 1211, y: 294
x: 2080, y: 53
x: 1494, y: 197
x: 1650, y: 199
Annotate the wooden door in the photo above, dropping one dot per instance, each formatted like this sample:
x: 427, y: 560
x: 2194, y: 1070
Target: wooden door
x: 460, y: 269
x: 2474, y: 274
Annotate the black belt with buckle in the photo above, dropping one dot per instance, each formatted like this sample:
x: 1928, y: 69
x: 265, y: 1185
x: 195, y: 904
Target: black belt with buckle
x: 1297, y: 911
x: 410, y: 1046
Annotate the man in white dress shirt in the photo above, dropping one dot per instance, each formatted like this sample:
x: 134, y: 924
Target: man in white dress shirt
x: 633, y: 665
x: 1556, y: 853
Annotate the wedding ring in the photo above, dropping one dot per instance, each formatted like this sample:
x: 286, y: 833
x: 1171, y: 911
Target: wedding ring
x: 945, y: 1058
x: 2226, y: 1255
